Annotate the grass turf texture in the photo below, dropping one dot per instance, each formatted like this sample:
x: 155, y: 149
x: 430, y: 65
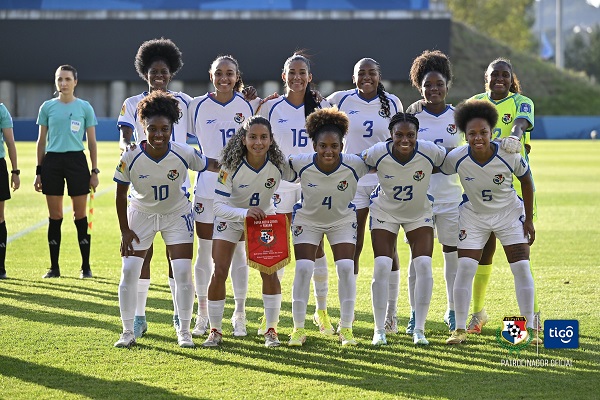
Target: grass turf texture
x: 56, y: 336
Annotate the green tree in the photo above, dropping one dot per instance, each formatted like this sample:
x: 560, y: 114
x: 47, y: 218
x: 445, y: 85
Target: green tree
x: 582, y: 52
x: 506, y: 21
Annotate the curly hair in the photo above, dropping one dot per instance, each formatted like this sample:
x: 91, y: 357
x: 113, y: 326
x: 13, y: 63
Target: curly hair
x: 403, y: 117
x: 385, y: 102
x: 159, y: 104
x: 327, y: 120
x: 235, y: 150
x: 310, y: 104
x: 471, y: 109
x: 239, y: 84
x: 430, y: 61
x: 157, y: 49
x: 515, y: 85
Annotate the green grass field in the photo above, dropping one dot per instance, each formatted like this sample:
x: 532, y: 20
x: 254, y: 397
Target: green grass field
x: 56, y: 336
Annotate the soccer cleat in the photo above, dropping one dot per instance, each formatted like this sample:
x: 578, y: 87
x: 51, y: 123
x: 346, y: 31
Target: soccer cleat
x: 215, y: 338
x: 201, y: 326
x: 391, y: 324
x: 298, y: 337
x: 537, y: 341
x: 271, y: 338
x: 85, y: 274
x: 478, y: 320
x: 52, y: 273
x: 537, y: 322
x: 419, y: 337
x: 410, y: 328
x: 176, y: 323
x: 450, y: 320
x: 347, y: 337
x: 126, y: 340
x: 238, y: 321
x: 379, y: 338
x: 262, y: 328
x: 139, y: 326
x: 457, y: 337
x: 321, y: 319
x: 2, y: 274
x: 184, y: 339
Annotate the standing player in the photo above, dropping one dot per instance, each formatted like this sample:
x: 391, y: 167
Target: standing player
x: 63, y: 123
x: 156, y: 62
x: 6, y: 136
x: 287, y: 115
x: 329, y: 182
x: 369, y: 108
x: 155, y: 172
x: 404, y: 166
x: 486, y: 172
x: 252, y: 168
x: 431, y: 74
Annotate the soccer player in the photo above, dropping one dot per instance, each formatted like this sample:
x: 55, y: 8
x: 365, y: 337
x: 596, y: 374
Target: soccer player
x: 369, y: 108
x: 157, y: 61
x: 431, y: 74
x: 515, y: 123
x: 155, y: 171
x: 6, y: 136
x: 492, y: 206
x: 287, y: 115
x: 63, y: 121
x: 252, y: 168
x: 404, y: 167
x: 329, y: 181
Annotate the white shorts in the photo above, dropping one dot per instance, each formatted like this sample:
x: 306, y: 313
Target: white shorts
x: 475, y: 229
x: 381, y: 220
x: 285, y: 201
x: 362, y: 199
x: 344, y: 233
x: 445, y: 218
x: 175, y: 228
x: 227, y: 230
x: 203, y: 210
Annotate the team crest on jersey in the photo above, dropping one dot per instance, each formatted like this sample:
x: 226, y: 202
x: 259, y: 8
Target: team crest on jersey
x: 122, y: 113
x: 525, y: 108
x: 343, y: 185
x: 270, y: 183
x: 418, y: 176
x: 276, y: 199
x: 121, y: 166
x: 498, y: 179
x: 462, y: 235
x: 239, y: 118
x: 298, y: 230
x: 199, y: 208
x: 266, y: 236
x: 222, y: 177
x: 451, y: 129
x: 507, y: 118
x: 173, y: 174
x: 382, y: 114
x: 222, y: 226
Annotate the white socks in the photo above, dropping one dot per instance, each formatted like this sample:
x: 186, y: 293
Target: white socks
x: 423, y: 289
x: 301, y: 290
x: 450, y: 268
x: 524, y: 288
x: 346, y: 291
x: 142, y: 296
x: 173, y: 292
x: 463, y: 289
x: 320, y: 282
x: 393, y: 290
x: 239, y: 277
x: 412, y: 279
x: 184, y: 291
x: 203, y: 270
x: 216, y: 308
x: 130, y: 274
x: 379, y: 289
x: 272, y: 304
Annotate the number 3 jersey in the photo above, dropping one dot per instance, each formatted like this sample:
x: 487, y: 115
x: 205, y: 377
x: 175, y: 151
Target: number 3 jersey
x: 156, y: 185
x: 488, y: 186
x: 327, y: 196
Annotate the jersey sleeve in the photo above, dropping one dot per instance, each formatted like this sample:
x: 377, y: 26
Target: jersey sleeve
x: 122, y: 175
x: 525, y: 109
x: 127, y: 115
x: 372, y: 155
x: 521, y: 166
x: 90, y: 115
x: 5, y: 118
x: 42, y: 119
x: 395, y: 104
x: 198, y: 162
x: 221, y: 205
x: 448, y: 167
x: 335, y: 97
x: 299, y: 161
x: 287, y: 171
x: 357, y: 164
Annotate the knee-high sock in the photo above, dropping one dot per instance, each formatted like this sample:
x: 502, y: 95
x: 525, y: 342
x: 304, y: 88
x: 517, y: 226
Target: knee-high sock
x: 203, y: 269
x: 54, y: 236
x: 450, y: 268
x: 280, y: 273
x: 184, y: 291
x: 379, y: 289
x: 173, y: 293
x: 85, y: 241
x: 272, y: 304
x: 423, y: 289
x: 463, y: 286
x: 142, y: 296
x: 524, y: 288
x: 3, y: 239
x: 412, y: 279
x: 216, y: 308
x: 130, y: 273
x: 480, y: 284
x: 393, y: 290
x: 321, y: 283
x: 536, y: 306
x: 346, y: 291
x: 301, y: 290
x: 239, y: 277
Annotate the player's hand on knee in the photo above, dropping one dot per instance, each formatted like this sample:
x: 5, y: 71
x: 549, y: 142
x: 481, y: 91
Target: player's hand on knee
x: 127, y: 239
x: 511, y: 144
x: 256, y: 213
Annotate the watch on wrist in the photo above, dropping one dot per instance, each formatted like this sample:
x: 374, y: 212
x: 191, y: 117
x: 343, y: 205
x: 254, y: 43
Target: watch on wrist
x: 16, y: 171
x: 95, y: 171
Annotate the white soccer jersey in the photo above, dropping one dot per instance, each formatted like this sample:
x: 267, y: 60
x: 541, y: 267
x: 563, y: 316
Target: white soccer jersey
x: 488, y: 187
x: 213, y: 124
x: 367, y: 125
x: 247, y: 187
x: 327, y: 197
x: 441, y: 129
x: 156, y: 185
x: 402, y: 190
x: 129, y: 117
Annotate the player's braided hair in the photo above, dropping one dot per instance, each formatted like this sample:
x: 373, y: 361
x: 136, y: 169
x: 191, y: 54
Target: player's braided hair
x: 515, y: 85
x: 403, y: 117
x: 327, y: 119
x: 159, y: 103
x: 428, y: 61
x: 310, y: 104
x: 239, y: 84
x: 471, y: 109
x: 385, y: 102
x: 157, y: 49
x: 235, y: 150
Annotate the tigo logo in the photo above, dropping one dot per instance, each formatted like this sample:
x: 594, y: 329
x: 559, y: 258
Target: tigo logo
x: 561, y: 334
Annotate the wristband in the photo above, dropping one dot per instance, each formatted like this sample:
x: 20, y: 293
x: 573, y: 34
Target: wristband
x: 38, y: 170
x: 16, y: 171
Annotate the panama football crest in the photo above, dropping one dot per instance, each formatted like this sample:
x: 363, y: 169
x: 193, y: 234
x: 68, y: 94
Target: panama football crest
x: 298, y: 230
x: 276, y: 199
x: 222, y: 226
x: 514, y: 335
x: 121, y: 166
x: 199, y: 208
x: 239, y: 118
x: 266, y: 236
x: 498, y: 179
x: 173, y: 174
x: 462, y: 235
x: 507, y: 118
x: 451, y: 129
x: 343, y: 185
x: 270, y: 183
x: 418, y: 176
